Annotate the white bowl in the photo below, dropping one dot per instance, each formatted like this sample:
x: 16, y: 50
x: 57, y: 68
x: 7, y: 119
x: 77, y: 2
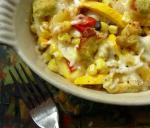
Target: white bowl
x: 15, y: 16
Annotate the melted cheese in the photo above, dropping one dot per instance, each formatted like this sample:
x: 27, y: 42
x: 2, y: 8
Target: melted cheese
x: 69, y: 52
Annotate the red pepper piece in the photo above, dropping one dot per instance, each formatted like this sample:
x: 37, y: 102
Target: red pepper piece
x: 89, y: 22
x: 86, y: 22
x: 80, y: 28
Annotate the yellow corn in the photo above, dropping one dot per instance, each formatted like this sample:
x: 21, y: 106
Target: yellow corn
x: 63, y: 68
x: 100, y: 64
x: 46, y: 56
x: 66, y: 25
x: 76, y: 41
x: 77, y: 73
x: 58, y: 54
x: 113, y: 29
x: 112, y: 38
x: 33, y: 29
x: 42, y: 42
x: 45, y: 34
x: 104, y: 27
x: 45, y: 25
x: 65, y: 37
x: 52, y: 65
x: 92, y: 70
x: 43, y: 39
x: 53, y: 48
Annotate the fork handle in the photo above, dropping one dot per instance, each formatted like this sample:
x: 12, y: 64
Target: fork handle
x: 46, y: 120
x: 46, y: 115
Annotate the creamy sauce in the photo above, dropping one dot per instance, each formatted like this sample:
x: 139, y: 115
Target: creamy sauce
x: 145, y: 43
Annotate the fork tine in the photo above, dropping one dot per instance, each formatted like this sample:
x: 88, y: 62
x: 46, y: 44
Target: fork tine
x: 32, y: 86
x: 39, y: 84
x: 42, y: 86
x: 23, y: 91
x: 25, y: 73
x: 22, y: 80
x: 35, y: 76
x: 13, y: 77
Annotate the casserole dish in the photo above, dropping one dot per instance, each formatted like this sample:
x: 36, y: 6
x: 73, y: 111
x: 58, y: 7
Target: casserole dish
x: 15, y: 17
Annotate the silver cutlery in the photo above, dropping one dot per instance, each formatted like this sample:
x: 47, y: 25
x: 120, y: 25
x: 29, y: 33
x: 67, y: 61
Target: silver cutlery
x: 37, y: 98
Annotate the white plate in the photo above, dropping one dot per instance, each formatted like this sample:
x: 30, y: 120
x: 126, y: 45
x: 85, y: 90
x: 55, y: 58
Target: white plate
x: 15, y: 31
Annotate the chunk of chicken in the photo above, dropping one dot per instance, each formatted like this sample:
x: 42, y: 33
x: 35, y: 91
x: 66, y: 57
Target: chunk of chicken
x: 44, y: 8
x: 129, y: 35
x: 87, y: 49
x: 143, y: 6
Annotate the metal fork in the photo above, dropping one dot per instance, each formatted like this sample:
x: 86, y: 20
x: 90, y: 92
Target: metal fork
x: 37, y: 98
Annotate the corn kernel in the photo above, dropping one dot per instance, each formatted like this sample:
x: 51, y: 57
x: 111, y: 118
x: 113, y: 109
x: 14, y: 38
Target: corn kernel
x: 100, y: 64
x: 53, y: 48
x: 92, y: 70
x: 58, y: 54
x: 52, y: 65
x: 46, y: 56
x: 113, y: 29
x: 45, y: 34
x: 104, y: 27
x: 42, y: 42
x: 64, y: 37
x: 33, y: 29
x: 112, y: 38
x: 76, y: 41
x: 63, y: 68
x: 66, y: 25
x: 45, y: 25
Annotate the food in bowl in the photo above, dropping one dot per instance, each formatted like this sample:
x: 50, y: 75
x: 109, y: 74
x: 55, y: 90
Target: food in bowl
x: 102, y: 45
